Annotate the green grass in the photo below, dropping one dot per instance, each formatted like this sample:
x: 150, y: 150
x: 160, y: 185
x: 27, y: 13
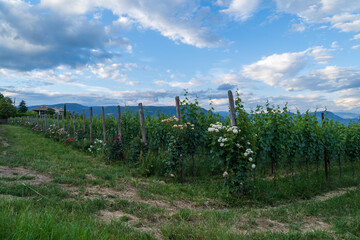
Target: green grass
x: 161, y: 208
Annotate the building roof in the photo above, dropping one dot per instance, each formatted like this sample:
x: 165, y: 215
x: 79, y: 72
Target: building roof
x: 42, y: 108
x: 59, y: 109
x: 46, y: 108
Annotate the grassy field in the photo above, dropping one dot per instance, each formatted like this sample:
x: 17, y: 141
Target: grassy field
x: 50, y: 191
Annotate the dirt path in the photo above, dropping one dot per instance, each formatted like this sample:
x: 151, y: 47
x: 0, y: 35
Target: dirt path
x: 22, y: 175
x: 244, y: 225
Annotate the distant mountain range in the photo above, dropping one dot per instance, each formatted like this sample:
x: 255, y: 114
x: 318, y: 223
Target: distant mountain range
x: 342, y: 117
x: 111, y: 110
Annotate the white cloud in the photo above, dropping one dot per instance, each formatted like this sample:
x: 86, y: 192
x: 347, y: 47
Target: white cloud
x: 349, y: 99
x: 298, y: 27
x: 193, y: 82
x: 219, y: 101
x: 346, y: 22
x: 181, y: 21
x: 320, y: 54
x: 339, y: 13
x: 334, y: 44
x: 355, y: 46
x: 356, y: 37
x: 241, y: 10
x: 276, y: 69
x: 115, y: 71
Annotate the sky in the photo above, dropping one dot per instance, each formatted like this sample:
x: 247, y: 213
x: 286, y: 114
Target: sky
x: 109, y: 52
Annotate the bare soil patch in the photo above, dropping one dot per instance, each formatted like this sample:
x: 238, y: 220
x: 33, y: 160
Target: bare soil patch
x: 4, y: 142
x: 310, y: 224
x: 108, y: 216
x: 333, y: 194
x: 130, y: 194
x: 23, y: 175
x: 131, y: 220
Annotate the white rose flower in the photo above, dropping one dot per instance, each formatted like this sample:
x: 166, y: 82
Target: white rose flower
x: 253, y: 166
x: 250, y: 159
x: 235, y: 131
x: 221, y: 144
x: 225, y: 174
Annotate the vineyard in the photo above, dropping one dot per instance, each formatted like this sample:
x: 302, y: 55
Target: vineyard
x: 268, y: 142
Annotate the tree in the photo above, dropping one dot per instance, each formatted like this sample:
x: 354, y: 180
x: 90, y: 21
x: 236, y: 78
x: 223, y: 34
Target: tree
x: 22, y: 107
x: 50, y: 111
x: 7, y: 109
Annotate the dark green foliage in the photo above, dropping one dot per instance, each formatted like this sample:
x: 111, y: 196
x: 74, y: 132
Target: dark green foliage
x: 7, y: 109
x: 114, y: 150
x: 136, y: 149
x: 22, y: 107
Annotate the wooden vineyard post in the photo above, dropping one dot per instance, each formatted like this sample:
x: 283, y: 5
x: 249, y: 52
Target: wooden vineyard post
x: 74, y: 122
x: 90, y: 124
x: 68, y: 122
x: 232, y: 108
x: 54, y: 119
x: 142, y: 124
x: 103, y: 122
x: 84, y: 121
x: 57, y: 118
x: 63, y: 121
x: 325, y: 153
x: 119, y: 123
x: 37, y: 120
x: 177, y: 103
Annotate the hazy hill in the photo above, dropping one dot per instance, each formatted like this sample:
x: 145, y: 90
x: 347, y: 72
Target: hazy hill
x: 112, y: 110
x: 171, y: 110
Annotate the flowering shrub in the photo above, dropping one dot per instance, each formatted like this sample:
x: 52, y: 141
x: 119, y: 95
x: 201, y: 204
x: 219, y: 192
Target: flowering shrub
x: 232, y: 146
x: 98, y: 147
x: 68, y: 141
x: 36, y: 128
x: 178, y: 147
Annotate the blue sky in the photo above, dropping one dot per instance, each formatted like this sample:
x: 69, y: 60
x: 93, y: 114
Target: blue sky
x: 304, y: 52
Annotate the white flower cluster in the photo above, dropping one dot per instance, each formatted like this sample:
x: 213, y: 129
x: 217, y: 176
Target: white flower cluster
x: 99, y: 141
x: 185, y: 125
x: 219, y: 126
x: 221, y: 140
x: 173, y: 118
x: 248, y: 152
x: 98, y: 144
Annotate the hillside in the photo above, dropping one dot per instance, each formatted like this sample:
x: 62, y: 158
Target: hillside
x: 342, y: 117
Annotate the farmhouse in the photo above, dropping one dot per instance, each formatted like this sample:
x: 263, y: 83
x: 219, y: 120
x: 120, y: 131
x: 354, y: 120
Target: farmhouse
x: 43, y: 109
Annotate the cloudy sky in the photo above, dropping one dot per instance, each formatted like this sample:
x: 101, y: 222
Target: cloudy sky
x: 92, y: 52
